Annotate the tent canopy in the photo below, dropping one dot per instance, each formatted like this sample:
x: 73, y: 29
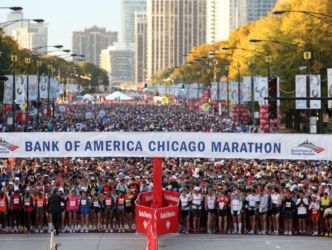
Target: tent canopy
x: 87, y: 97
x: 118, y: 95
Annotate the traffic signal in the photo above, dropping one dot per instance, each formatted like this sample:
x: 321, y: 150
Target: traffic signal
x: 272, y: 97
x: 145, y: 85
x: 182, y: 87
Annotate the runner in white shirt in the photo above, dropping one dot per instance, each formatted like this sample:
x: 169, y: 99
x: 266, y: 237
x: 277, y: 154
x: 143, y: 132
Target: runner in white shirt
x: 236, y: 207
x: 253, y: 203
x: 210, y: 207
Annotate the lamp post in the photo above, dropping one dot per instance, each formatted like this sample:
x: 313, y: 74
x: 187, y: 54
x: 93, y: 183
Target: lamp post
x: 39, y: 64
x: 267, y: 59
x: 239, y: 93
x: 27, y: 62
x: 14, y: 60
x: 227, y: 89
x: 49, y: 67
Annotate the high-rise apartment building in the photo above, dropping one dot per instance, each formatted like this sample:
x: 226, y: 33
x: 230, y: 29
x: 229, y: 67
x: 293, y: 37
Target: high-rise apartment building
x: 224, y: 16
x: 118, y: 61
x: 92, y: 41
x: 174, y: 28
x: 14, y: 16
x: 26, y: 33
x: 128, y: 8
x: 31, y: 37
x: 140, y: 47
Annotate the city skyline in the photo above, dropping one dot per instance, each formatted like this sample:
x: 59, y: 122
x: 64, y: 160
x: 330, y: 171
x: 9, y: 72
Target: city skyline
x: 64, y: 17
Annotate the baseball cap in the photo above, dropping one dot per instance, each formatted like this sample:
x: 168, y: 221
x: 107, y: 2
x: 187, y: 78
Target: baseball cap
x: 17, y: 179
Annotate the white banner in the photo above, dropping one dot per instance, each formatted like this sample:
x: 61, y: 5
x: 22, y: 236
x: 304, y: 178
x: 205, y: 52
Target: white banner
x: 263, y: 91
x: 33, y: 87
x: 246, y: 89
x: 54, y: 88
x: 172, y: 144
x: 329, y: 87
x: 233, y: 93
x: 43, y: 87
x: 301, y: 91
x: 315, y: 91
x: 20, y: 89
x: 256, y: 88
x: 8, y: 90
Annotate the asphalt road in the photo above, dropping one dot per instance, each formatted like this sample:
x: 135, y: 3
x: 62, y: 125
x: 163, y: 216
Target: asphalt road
x: 118, y: 241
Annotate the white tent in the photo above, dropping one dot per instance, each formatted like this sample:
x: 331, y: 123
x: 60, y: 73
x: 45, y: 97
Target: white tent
x: 87, y: 97
x: 118, y: 95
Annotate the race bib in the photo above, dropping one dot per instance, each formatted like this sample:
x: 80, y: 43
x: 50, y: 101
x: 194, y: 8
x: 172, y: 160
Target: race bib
x: 27, y: 203
x: 288, y: 204
x: 2, y: 204
x: 83, y: 202
x: 221, y: 205
x: 39, y: 203
x: 73, y: 203
x: 96, y: 204
x: 16, y: 201
x: 108, y: 202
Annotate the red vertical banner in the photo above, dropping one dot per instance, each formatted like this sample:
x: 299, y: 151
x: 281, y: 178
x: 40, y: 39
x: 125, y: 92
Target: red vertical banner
x: 157, y: 182
x: 264, y: 118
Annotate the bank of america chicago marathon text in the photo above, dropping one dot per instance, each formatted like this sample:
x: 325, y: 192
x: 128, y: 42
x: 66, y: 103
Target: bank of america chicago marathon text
x: 153, y: 146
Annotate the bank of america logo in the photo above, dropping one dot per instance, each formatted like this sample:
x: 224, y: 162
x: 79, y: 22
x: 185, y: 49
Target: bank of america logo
x: 312, y: 146
x: 9, y: 146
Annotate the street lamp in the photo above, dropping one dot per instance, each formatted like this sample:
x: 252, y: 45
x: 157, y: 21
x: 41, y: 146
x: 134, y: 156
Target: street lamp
x: 290, y: 46
x: 267, y: 59
x: 14, y: 8
x: 6, y: 24
x: 309, y: 13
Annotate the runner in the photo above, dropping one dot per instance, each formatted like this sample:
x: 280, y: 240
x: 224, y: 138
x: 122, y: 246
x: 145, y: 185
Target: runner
x: 197, y: 202
x: 236, y: 207
x: 314, y: 207
x: 185, y: 202
x: 222, y: 205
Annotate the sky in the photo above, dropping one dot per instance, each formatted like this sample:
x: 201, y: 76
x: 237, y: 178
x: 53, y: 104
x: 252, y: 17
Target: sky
x: 65, y: 16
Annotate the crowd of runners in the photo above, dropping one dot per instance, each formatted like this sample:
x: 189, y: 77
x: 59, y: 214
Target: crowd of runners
x: 226, y: 196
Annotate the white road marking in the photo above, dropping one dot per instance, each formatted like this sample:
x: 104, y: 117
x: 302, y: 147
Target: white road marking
x: 277, y: 247
x: 268, y: 242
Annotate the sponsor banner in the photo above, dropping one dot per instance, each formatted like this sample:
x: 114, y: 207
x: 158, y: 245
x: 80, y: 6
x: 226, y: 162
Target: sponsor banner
x: 8, y: 90
x: 246, y: 89
x: 301, y: 91
x: 167, y: 219
x: 43, y: 87
x: 315, y: 91
x: 20, y: 89
x: 144, y: 215
x: 147, y: 199
x: 33, y: 87
x: 233, y: 93
x: 168, y: 144
x: 329, y: 87
x: 170, y: 198
x: 263, y: 91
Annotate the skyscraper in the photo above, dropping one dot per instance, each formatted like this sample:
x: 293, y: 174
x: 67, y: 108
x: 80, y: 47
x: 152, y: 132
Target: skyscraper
x: 128, y: 8
x: 118, y: 61
x: 31, y: 37
x: 224, y: 16
x: 174, y: 28
x: 27, y: 34
x: 91, y: 42
x: 140, y: 47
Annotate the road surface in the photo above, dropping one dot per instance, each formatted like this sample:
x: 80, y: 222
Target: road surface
x: 118, y: 241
